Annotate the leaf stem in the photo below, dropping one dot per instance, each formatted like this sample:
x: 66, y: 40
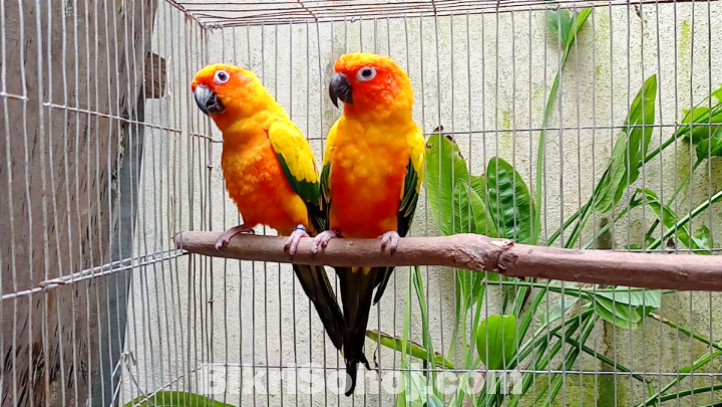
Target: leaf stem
x: 690, y: 392
x: 571, y: 358
x: 580, y: 19
x: 685, y: 331
x: 682, y: 185
x: 602, y: 358
x: 648, y: 158
x: 698, y: 364
x: 681, y: 222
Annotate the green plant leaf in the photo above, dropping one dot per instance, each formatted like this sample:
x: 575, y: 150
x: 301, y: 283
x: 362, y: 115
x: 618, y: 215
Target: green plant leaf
x: 468, y: 283
x: 579, y: 20
x: 629, y: 150
x: 401, y: 397
x: 468, y: 286
x: 433, y: 401
x: 416, y: 350
x: 444, y: 166
x: 635, y: 297
x: 415, y: 390
x: 625, y: 307
x: 510, y: 205
x: 704, y: 122
x: 464, y: 217
x: 497, y: 336
x: 663, y: 213
x: 695, y: 116
x: 425, y: 330
x: 555, y: 313
x: 703, y: 238
x: 686, y: 219
x: 484, y: 225
x: 710, y: 145
x: 559, y: 24
x: 176, y: 399
x: 701, y: 362
x: 699, y: 123
x: 717, y: 94
x: 478, y: 184
x: 467, y: 202
x: 622, y: 315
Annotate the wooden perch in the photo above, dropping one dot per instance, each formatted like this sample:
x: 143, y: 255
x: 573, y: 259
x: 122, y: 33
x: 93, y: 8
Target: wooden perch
x: 479, y: 253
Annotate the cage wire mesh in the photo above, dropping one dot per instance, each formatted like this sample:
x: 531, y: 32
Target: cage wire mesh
x: 105, y: 157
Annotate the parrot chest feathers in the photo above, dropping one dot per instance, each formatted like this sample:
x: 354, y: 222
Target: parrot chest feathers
x: 257, y: 185
x: 365, y: 183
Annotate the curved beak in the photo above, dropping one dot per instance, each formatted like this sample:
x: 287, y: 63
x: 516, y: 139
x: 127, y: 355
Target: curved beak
x: 340, y: 88
x: 208, y: 101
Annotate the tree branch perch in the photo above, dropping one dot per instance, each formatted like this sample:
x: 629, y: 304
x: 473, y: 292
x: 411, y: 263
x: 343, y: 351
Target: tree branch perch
x: 480, y: 253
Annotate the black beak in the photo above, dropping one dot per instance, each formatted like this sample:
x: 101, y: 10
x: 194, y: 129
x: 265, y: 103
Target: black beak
x: 340, y: 88
x: 208, y: 101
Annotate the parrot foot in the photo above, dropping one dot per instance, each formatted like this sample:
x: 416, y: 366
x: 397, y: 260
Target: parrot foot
x: 295, y: 238
x: 226, y: 237
x: 322, y: 239
x: 390, y: 240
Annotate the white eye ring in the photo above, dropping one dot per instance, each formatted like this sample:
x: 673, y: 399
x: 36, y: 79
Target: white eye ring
x: 221, y: 77
x: 366, y: 74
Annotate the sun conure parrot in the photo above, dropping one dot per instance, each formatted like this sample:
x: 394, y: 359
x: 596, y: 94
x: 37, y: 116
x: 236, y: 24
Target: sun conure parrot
x: 270, y: 173
x: 372, y: 170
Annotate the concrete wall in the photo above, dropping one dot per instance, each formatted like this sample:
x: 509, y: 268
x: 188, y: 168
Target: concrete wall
x: 70, y: 75
x: 484, y: 77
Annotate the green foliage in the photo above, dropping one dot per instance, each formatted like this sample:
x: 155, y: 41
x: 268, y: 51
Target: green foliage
x: 559, y: 23
x: 560, y: 308
x: 526, y: 333
x: 567, y: 33
x: 702, y: 126
x: 496, y: 341
x: 175, y: 399
x: 629, y: 149
x: 444, y: 167
x: 510, y: 205
x: 625, y: 315
x: 664, y: 214
x: 433, y: 401
x: 416, y: 350
x: 563, y: 25
x: 702, y: 238
x: 470, y: 210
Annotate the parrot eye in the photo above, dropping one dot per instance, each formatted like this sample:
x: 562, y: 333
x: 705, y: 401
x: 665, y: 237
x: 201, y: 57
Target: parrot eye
x: 366, y: 74
x: 221, y: 77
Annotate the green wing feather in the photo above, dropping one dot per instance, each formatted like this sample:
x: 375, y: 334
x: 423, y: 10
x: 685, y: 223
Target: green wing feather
x: 325, y: 189
x: 298, y: 165
x: 408, y: 203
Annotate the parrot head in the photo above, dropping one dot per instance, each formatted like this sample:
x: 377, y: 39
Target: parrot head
x: 370, y: 83
x: 223, y: 90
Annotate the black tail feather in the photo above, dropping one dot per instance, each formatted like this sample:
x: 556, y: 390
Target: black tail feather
x: 357, y: 288
x: 352, y: 371
x: 382, y: 281
x: 315, y: 283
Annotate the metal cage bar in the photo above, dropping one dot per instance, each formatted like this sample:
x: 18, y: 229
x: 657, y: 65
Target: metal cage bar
x: 104, y: 157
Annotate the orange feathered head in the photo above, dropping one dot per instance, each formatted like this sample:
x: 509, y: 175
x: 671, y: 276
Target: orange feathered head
x: 228, y: 90
x: 371, y: 83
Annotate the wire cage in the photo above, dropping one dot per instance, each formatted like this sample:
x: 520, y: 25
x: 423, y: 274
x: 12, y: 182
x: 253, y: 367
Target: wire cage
x: 601, y: 113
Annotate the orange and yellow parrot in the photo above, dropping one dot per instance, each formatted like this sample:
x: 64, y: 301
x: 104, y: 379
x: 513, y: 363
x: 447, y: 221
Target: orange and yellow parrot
x: 270, y: 173
x: 372, y: 170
